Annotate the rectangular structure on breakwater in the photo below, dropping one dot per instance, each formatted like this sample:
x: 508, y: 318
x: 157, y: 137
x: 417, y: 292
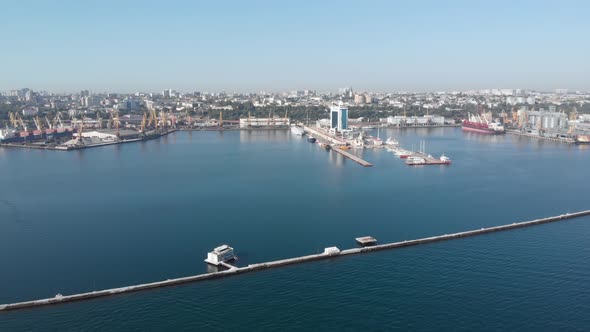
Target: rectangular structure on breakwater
x: 330, y: 252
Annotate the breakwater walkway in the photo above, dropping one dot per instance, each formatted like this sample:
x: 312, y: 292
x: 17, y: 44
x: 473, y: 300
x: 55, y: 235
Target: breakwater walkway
x: 331, y: 252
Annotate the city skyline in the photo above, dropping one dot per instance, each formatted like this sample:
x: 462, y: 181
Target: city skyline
x: 260, y: 45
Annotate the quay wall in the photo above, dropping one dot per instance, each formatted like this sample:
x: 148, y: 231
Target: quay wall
x: 283, y: 262
x: 553, y: 139
x: 321, y: 134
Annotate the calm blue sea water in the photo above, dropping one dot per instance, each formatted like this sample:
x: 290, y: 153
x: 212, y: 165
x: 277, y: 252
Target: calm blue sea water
x: 121, y: 215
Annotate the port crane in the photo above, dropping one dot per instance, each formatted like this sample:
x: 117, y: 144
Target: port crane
x: 74, y: 121
x: 270, y: 119
x: 98, y: 120
x: 80, y: 131
x: 49, y: 124
x: 57, y: 120
x: 143, y: 123
x: 522, y: 119
x: 152, y: 120
x: 163, y: 119
x: 13, y: 119
x: 514, y: 115
x: 572, y: 128
x: 188, y: 119
x: 220, y: 118
x: 38, y: 123
x: 504, y: 116
x: 22, y: 123
x: 172, y: 118
x: 574, y: 114
x: 116, y: 121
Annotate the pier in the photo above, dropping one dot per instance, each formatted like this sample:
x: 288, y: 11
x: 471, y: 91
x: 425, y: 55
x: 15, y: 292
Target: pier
x: 81, y: 147
x: 326, y: 136
x: 352, y: 157
x: 337, y: 142
x: 329, y: 253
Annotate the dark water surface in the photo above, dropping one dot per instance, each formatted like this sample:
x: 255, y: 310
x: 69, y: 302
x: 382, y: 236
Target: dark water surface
x: 121, y: 215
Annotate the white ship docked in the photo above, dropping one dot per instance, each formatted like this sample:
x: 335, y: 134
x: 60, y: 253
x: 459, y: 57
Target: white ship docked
x: 392, y: 142
x: 221, y: 254
x: 295, y: 129
x: 7, y: 133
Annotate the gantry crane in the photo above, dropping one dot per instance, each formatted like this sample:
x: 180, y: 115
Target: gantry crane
x: 143, y: 123
x: 49, y: 124
x: 57, y: 120
x: 98, y: 120
x: 13, y: 119
x: 38, y: 123
x: 163, y: 119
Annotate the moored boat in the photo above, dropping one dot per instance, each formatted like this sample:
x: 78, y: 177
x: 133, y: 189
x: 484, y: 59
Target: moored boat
x: 358, y: 142
x: 444, y: 159
x: 414, y: 160
x: 311, y: 139
x: 327, y: 147
x: 582, y: 139
x: 392, y: 141
x: 482, y: 125
x: 402, y: 154
x: 295, y: 129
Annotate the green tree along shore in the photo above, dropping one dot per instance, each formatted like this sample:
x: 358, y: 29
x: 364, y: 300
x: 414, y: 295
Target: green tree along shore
x: 371, y: 113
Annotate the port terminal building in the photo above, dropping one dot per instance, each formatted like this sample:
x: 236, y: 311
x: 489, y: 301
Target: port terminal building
x: 338, y: 118
x: 414, y: 121
x: 264, y: 122
x: 544, y: 119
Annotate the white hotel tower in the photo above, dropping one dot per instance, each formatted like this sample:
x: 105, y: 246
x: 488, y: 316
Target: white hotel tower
x: 338, y: 117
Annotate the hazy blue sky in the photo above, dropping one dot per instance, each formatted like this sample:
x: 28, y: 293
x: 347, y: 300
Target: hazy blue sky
x: 245, y: 45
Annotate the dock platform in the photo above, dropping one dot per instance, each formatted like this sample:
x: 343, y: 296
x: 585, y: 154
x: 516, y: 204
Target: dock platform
x: 366, y: 241
x: 352, y: 157
x: 323, y: 135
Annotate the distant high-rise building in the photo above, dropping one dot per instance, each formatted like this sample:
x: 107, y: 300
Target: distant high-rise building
x: 168, y: 93
x: 85, y: 93
x: 339, y: 117
x: 359, y: 99
x: 30, y: 111
x: 346, y: 92
x: 149, y: 105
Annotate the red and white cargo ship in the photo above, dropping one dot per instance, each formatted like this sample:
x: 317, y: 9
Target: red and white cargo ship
x: 479, y: 124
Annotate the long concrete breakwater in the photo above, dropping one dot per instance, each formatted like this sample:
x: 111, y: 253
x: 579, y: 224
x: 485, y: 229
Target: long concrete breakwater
x: 332, y: 252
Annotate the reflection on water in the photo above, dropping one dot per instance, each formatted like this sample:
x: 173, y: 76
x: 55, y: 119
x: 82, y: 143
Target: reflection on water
x: 275, y: 136
x: 492, y: 139
x: 336, y: 158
